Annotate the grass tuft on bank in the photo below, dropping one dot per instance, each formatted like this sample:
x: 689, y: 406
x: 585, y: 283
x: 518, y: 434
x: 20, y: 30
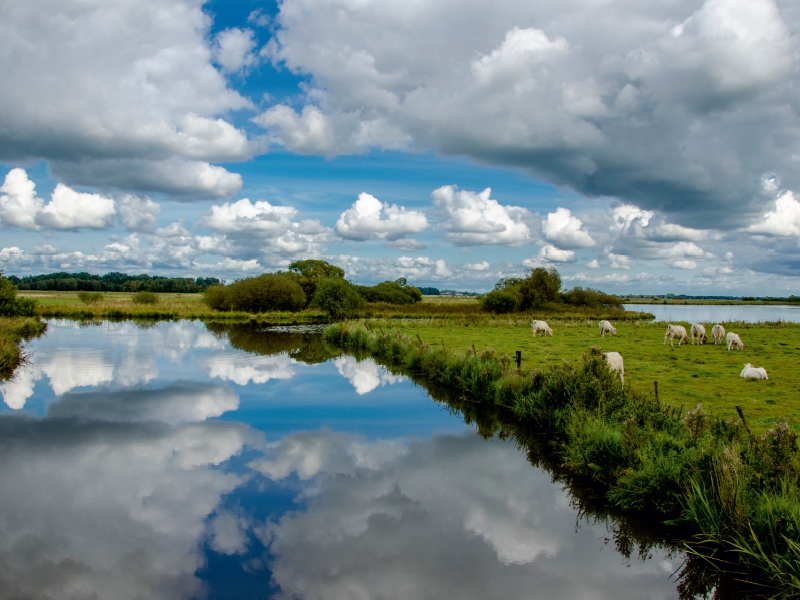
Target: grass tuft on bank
x: 697, y: 473
x: 13, y: 331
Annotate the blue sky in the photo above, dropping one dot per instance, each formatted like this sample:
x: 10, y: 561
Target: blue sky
x: 648, y: 148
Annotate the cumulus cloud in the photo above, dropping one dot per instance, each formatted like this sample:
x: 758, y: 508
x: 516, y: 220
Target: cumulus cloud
x: 241, y: 370
x: 549, y: 254
x: 369, y: 218
x: 476, y: 219
x: 565, y: 230
x: 675, y: 109
x: 364, y: 376
x: 120, y: 90
x: 783, y: 220
x: 137, y: 213
x: 233, y: 49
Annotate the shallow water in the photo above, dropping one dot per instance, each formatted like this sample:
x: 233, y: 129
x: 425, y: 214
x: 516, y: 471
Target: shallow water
x: 719, y: 313
x: 176, y: 462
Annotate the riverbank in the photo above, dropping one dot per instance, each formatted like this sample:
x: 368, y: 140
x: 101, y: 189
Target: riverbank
x: 13, y: 331
x: 686, y: 375
x: 737, y: 493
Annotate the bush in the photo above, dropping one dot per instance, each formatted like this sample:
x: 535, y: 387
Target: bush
x: 500, y: 302
x: 337, y: 297
x: 216, y: 297
x: 144, y: 298
x: 270, y: 291
x: 540, y: 286
x: 90, y: 297
x: 308, y: 273
x: 391, y: 292
x: 10, y: 305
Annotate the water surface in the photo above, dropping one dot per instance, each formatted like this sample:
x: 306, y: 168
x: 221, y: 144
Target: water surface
x: 177, y: 461
x: 718, y: 313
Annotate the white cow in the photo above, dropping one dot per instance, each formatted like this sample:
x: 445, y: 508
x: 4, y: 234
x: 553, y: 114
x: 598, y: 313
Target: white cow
x: 733, y: 339
x: 676, y: 331
x: 718, y: 333
x: 751, y: 372
x: 614, y: 360
x: 538, y: 326
x: 699, y: 330
x: 607, y: 327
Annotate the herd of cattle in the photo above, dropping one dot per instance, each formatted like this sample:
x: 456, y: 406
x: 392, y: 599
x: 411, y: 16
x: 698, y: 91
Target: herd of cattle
x: 698, y: 332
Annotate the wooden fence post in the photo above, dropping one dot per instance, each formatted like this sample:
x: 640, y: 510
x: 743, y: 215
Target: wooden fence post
x: 519, y: 359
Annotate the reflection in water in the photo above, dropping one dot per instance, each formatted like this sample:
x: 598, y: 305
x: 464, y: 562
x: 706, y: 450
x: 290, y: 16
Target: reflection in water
x: 366, y: 375
x: 130, y: 488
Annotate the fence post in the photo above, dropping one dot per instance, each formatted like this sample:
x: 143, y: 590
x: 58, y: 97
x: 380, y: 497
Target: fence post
x: 474, y: 353
x: 519, y: 359
x: 744, y: 421
x: 655, y: 385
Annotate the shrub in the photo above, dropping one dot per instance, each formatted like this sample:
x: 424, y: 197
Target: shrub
x: 308, y: 273
x: 216, y: 297
x: 540, y: 286
x: 90, y: 297
x: 144, y: 298
x: 500, y: 302
x: 391, y: 292
x: 270, y: 291
x: 337, y: 297
x: 10, y: 305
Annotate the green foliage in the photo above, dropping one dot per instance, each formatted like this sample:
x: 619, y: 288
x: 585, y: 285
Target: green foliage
x: 10, y: 305
x: 338, y: 297
x: 509, y: 283
x: 428, y: 291
x: 144, y: 298
x: 113, y: 282
x: 579, y: 296
x: 540, y: 286
x: 90, y: 297
x: 500, y: 302
x: 391, y: 292
x: 216, y: 297
x: 309, y: 273
x: 267, y: 292
x: 13, y: 330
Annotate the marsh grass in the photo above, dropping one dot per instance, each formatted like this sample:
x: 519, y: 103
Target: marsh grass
x: 13, y: 331
x: 733, y: 497
x: 687, y: 375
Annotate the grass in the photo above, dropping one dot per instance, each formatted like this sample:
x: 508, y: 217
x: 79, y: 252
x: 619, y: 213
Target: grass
x: 686, y: 375
x: 13, y: 330
x: 726, y: 496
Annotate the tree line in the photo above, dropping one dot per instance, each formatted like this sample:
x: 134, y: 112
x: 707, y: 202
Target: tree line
x: 112, y: 282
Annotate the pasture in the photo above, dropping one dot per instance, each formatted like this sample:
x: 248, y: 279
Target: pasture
x: 686, y: 375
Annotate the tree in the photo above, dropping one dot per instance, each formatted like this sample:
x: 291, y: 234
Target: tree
x: 540, y: 286
x: 338, y: 297
x: 308, y: 273
x: 270, y: 291
x: 10, y: 305
x: 498, y: 301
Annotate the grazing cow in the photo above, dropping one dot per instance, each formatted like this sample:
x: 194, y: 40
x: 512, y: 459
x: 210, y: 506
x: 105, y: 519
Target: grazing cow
x: 614, y: 360
x: 734, y: 339
x: 699, y: 330
x: 537, y: 326
x: 676, y: 331
x: 751, y: 372
x: 607, y: 327
x: 718, y: 333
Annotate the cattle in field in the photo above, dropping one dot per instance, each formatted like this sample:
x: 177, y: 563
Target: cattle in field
x: 718, y: 333
x: 537, y: 326
x: 615, y: 363
x: 751, y: 372
x: 733, y: 339
x: 676, y: 331
x: 607, y: 327
x: 699, y: 330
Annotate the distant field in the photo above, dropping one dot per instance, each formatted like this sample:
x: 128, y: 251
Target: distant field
x: 109, y: 298
x: 686, y: 375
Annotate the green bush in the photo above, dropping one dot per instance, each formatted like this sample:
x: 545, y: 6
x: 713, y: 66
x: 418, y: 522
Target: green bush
x: 270, y: 291
x: 308, y: 273
x: 10, y: 305
x: 500, y: 302
x: 391, y: 292
x: 217, y: 298
x: 90, y: 297
x: 145, y: 298
x: 337, y: 297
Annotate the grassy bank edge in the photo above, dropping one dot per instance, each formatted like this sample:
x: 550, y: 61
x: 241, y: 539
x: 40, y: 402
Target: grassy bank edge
x: 735, y: 495
x: 13, y: 331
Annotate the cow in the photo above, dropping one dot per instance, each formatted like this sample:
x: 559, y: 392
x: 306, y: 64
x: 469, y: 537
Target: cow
x: 699, y: 330
x: 614, y: 360
x: 537, y: 326
x: 733, y: 339
x: 718, y: 333
x: 751, y: 372
x: 607, y: 327
x: 676, y: 331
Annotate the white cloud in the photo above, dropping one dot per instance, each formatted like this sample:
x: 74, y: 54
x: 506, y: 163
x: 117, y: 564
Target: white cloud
x: 481, y: 266
x: 241, y: 370
x: 475, y: 218
x: 549, y: 254
x: 783, y: 221
x: 19, y: 204
x: 369, y: 218
x: 406, y: 245
x: 137, y: 213
x: 565, y: 230
x: 593, y: 264
x: 233, y: 49
x: 618, y: 261
x: 364, y: 376
x: 309, y: 132
x: 77, y: 368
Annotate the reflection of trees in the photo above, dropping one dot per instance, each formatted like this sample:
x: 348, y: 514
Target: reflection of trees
x: 302, y: 344
x: 702, y: 574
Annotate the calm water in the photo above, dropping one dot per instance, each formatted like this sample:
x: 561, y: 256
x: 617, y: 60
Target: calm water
x: 175, y: 462
x: 718, y: 313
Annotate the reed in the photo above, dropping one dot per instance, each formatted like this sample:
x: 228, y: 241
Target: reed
x: 728, y: 494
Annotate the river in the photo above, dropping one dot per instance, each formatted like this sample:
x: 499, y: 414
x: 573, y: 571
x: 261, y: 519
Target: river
x: 719, y: 313
x: 179, y: 461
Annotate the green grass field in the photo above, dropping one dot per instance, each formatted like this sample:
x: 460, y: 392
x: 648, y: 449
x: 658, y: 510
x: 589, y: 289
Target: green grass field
x: 686, y: 375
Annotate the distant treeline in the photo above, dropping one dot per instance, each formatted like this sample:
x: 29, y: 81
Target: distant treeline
x: 788, y: 299
x: 112, y: 282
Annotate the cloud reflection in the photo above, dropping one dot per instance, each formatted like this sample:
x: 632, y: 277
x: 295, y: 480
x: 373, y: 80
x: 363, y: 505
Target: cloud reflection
x: 242, y: 369
x: 453, y: 518
x: 366, y: 375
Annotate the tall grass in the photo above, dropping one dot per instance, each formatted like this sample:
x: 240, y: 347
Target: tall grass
x: 13, y: 330
x: 732, y: 496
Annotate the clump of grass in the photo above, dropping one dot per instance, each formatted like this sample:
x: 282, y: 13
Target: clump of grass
x: 694, y: 472
x: 90, y: 297
x: 12, y: 332
x: 144, y: 298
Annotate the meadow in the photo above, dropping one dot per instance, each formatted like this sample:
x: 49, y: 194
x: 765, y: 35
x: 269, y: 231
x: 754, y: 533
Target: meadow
x: 686, y: 375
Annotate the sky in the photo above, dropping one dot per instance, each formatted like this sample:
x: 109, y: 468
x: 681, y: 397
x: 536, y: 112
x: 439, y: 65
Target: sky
x: 637, y: 147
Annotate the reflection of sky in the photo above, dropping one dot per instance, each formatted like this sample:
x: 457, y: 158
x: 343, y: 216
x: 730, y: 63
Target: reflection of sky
x: 164, y: 463
x: 718, y: 313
